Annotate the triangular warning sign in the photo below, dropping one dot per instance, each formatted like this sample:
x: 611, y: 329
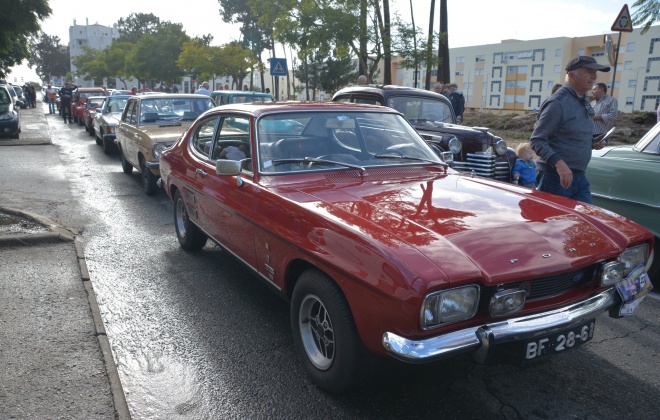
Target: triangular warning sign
x: 623, y: 22
x: 278, y: 68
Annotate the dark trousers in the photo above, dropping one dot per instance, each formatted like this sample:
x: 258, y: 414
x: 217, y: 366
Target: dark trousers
x: 66, y: 109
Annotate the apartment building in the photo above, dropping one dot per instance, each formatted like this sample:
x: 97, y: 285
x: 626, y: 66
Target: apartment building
x: 94, y: 36
x: 516, y: 75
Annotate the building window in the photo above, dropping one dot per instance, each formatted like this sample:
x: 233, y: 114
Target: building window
x: 537, y: 70
x: 460, y: 59
x: 496, y: 83
x: 632, y: 83
x: 534, y: 101
x: 557, y: 69
x: 479, y: 72
x: 459, y: 72
x: 550, y: 84
x: 629, y: 100
x: 558, y: 52
x: 497, y: 70
x: 580, y: 51
x: 630, y: 46
x: 521, y: 84
x: 627, y: 65
x: 524, y: 54
x: 508, y: 99
x: 510, y: 84
x: 495, y: 100
x: 535, y: 82
x: 653, y: 41
x: 481, y: 58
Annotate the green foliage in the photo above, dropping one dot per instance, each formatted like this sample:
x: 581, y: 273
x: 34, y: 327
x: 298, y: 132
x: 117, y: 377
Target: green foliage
x: 49, y: 57
x: 135, y: 25
x: 91, y: 64
x: 19, y: 20
x: 647, y: 13
x: 642, y: 117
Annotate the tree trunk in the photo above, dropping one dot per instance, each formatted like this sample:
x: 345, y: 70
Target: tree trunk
x: 363, y: 70
x: 443, y: 45
x: 387, y: 44
x: 416, y: 69
x: 429, y: 50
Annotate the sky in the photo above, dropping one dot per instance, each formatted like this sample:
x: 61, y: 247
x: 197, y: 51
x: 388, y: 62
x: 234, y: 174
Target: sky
x: 471, y: 22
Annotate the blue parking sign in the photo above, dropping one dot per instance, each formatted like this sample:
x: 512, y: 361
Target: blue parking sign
x: 278, y: 67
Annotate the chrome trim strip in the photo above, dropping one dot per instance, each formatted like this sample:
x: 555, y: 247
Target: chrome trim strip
x: 485, y: 336
x: 607, y: 197
x: 152, y: 165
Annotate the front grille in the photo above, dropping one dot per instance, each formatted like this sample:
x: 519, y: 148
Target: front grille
x: 555, y: 285
x: 484, y: 164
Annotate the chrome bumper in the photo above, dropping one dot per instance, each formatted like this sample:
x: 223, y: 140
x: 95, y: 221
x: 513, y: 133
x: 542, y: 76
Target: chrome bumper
x: 480, y: 338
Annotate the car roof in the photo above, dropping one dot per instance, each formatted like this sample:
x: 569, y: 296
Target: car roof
x: 241, y: 92
x: 389, y: 90
x: 258, y: 108
x: 171, y: 96
x: 90, y: 89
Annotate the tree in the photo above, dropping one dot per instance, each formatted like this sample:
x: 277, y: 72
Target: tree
x: 443, y: 45
x: 647, y: 13
x: 91, y: 65
x: 49, y: 57
x: 18, y: 21
x: 429, y: 51
x: 410, y: 44
x: 154, y: 57
x: 387, y: 43
x: 337, y: 72
x: 115, y: 60
x: 135, y: 25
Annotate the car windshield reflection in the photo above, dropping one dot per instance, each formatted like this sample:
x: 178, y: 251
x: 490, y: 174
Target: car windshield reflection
x: 313, y: 141
x: 420, y: 110
x: 173, y: 110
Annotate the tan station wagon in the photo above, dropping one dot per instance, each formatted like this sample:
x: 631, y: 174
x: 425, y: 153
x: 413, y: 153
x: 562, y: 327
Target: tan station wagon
x: 151, y: 124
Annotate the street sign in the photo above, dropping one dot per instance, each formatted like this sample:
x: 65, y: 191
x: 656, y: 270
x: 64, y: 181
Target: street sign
x: 623, y: 22
x: 278, y: 67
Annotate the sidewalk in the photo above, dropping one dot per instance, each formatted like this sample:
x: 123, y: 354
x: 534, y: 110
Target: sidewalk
x: 55, y: 358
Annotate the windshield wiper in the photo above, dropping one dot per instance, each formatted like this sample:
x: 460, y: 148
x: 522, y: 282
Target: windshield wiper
x: 397, y: 156
x: 318, y: 161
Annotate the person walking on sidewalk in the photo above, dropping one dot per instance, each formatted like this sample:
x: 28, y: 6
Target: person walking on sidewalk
x: 66, y: 93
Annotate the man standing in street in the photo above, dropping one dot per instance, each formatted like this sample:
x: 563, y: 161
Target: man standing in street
x: 51, y: 96
x: 204, y: 89
x: 457, y: 101
x: 66, y: 94
x: 563, y: 135
x: 605, y: 108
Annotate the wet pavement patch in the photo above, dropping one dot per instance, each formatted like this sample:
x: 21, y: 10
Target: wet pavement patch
x: 13, y: 225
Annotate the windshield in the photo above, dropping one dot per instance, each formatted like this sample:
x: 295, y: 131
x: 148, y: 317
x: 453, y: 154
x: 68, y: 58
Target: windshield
x: 418, y: 109
x: 116, y: 104
x: 241, y: 99
x: 173, y: 110
x: 311, y: 141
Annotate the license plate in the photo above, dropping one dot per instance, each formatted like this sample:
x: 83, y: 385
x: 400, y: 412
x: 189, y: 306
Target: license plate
x: 548, y: 345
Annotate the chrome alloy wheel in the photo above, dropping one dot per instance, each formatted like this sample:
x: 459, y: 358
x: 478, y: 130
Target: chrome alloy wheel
x: 317, y: 333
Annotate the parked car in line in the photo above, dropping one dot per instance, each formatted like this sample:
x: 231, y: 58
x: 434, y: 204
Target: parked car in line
x: 92, y: 104
x: 151, y: 123
x: 79, y: 100
x: 624, y: 179
x: 18, y: 103
x: 106, y: 120
x: 120, y: 92
x: 10, y: 117
x: 466, y: 149
x: 381, y: 248
x: 223, y: 97
x: 21, y: 102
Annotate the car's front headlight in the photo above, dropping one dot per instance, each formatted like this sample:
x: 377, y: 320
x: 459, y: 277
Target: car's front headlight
x: 500, y: 147
x: 634, y: 257
x: 158, y: 148
x: 6, y: 116
x: 455, y: 145
x: 449, y: 306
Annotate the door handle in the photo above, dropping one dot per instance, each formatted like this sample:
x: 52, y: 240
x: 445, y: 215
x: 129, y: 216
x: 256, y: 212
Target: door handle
x: 201, y: 172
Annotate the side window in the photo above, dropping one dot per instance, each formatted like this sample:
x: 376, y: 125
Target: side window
x: 367, y: 100
x: 127, y: 117
x: 233, y: 140
x: 202, y: 140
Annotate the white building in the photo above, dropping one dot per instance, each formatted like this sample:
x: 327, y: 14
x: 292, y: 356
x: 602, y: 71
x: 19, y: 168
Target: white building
x: 518, y: 75
x: 94, y: 36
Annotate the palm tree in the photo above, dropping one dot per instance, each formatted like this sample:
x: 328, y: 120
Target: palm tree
x: 647, y: 13
x: 429, y: 51
x: 443, y: 45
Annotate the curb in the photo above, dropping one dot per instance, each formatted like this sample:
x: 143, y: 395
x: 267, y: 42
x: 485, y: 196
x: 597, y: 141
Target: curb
x: 58, y: 233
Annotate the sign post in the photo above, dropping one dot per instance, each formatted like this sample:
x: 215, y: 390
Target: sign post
x: 278, y: 68
x: 623, y: 23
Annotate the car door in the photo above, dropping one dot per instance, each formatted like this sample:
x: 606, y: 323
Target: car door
x: 224, y: 207
x: 125, y: 131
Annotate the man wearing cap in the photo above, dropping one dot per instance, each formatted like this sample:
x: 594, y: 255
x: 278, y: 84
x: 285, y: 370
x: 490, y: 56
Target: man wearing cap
x: 563, y: 135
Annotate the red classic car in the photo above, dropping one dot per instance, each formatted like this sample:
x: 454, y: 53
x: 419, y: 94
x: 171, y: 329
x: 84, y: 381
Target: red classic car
x: 381, y: 248
x: 92, y: 104
x: 79, y: 100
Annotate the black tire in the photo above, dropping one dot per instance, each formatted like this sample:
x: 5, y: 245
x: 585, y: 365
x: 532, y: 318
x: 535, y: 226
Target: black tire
x: 325, y: 335
x: 90, y: 130
x: 190, y: 237
x: 148, y: 179
x: 125, y: 165
x: 107, y: 145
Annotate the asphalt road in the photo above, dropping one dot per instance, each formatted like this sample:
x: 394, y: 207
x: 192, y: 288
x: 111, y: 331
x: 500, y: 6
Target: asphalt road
x: 197, y: 336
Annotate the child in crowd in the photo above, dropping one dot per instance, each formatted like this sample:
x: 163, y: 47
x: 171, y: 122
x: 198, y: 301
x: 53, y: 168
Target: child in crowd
x: 524, y: 170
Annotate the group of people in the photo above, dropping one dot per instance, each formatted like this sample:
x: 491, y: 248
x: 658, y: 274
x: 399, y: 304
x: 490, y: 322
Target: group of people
x: 30, y: 95
x: 454, y: 95
x: 569, y: 126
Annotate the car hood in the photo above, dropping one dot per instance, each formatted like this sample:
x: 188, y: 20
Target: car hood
x: 471, y: 227
x: 165, y: 132
x: 112, y: 117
